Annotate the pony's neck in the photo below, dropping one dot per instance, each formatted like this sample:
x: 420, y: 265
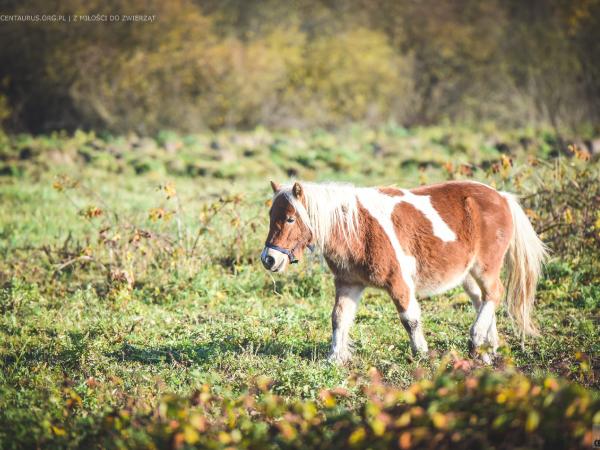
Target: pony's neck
x: 342, y: 246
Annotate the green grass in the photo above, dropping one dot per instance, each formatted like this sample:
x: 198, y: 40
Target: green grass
x: 215, y: 316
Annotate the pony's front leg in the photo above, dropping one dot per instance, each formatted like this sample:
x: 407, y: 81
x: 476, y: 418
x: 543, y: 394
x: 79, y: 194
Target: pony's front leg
x: 347, y: 297
x: 410, y: 316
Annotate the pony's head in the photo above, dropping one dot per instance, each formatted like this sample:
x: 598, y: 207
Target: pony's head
x: 289, y: 228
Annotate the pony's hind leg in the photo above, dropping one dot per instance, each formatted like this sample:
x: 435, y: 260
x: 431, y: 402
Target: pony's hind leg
x: 347, y: 297
x: 484, y: 329
x: 473, y: 291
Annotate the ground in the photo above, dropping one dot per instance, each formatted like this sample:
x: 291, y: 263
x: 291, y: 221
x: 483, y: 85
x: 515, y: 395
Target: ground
x: 130, y: 268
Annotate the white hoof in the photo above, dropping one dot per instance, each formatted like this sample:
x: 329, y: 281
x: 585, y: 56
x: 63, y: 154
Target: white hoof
x: 339, y: 358
x: 486, y: 359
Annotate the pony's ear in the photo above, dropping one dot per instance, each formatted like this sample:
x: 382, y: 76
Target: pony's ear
x: 276, y: 187
x: 297, y: 190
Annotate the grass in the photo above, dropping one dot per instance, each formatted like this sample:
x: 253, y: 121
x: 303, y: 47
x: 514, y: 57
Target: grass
x: 89, y: 307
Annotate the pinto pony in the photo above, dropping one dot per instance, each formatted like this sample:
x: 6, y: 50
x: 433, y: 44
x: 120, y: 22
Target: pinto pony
x: 411, y: 243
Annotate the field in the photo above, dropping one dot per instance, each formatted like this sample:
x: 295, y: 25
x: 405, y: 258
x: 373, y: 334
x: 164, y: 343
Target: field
x: 134, y: 305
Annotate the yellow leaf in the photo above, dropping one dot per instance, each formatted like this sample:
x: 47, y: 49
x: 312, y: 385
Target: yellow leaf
x: 310, y: 410
x: 533, y: 420
x: 197, y: 421
x: 357, y: 436
x: 378, y: 427
x: 568, y: 216
x: 170, y: 190
x: 403, y: 420
x: 58, y: 431
x: 551, y: 384
x: 288, y: 431
x: 439, y: 420
x: 190, y: 435
x: 327, y: 399
x: 224, y: 438
x: 409, y: 397
x: 236, y: 435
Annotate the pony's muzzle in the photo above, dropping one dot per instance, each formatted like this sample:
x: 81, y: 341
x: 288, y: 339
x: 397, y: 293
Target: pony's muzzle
x: 273, y: 260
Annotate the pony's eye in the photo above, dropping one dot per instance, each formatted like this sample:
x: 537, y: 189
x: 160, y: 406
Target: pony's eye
x: 290, y: 219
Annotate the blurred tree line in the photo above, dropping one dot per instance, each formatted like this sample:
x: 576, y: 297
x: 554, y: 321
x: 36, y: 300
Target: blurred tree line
x: 239, y: 63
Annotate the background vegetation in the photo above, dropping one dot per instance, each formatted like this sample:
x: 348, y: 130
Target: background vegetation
x: 208, y: 64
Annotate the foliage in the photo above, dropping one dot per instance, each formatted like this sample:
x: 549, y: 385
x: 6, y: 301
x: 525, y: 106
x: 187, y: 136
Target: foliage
x: 561, y: 209
x: 458, y: 408
x: 205, y: 64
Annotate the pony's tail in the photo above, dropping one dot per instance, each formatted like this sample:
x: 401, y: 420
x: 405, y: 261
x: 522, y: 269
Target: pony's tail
x: 525, y: 257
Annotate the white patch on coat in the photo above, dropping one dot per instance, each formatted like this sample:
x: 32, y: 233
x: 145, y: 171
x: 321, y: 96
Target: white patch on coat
x: 381, y: 208
x: 413, y: 311
x: 423, y: 204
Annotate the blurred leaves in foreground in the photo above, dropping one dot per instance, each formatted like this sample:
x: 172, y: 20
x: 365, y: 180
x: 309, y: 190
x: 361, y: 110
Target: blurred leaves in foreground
x: 461, y: 407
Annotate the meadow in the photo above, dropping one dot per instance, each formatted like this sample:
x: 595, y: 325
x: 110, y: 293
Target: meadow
x: 135, y: 311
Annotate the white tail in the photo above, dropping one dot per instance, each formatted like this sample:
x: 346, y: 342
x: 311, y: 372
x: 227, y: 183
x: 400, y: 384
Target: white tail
x: 525, y: 257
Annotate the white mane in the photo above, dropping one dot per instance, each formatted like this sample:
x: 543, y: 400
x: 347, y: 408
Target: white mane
x: 329, y: 206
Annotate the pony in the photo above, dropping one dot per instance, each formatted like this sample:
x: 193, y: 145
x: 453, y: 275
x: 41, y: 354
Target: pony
x: 411, y: 243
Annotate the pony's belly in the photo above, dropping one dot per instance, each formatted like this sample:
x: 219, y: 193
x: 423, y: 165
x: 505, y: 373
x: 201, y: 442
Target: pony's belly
x: 433, y: 286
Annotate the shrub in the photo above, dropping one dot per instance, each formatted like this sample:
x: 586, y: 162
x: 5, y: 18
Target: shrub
x: 210, y: 64
x: 356, y: 75
x: 459, y: 408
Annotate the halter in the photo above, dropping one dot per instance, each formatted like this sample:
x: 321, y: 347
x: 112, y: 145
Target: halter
x: 289, y: 253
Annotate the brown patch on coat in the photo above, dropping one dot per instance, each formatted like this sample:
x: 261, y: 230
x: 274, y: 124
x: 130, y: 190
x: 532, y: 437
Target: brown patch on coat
x: 391, y: 191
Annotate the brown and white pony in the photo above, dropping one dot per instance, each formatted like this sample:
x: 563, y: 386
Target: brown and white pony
x: 411, y: 243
